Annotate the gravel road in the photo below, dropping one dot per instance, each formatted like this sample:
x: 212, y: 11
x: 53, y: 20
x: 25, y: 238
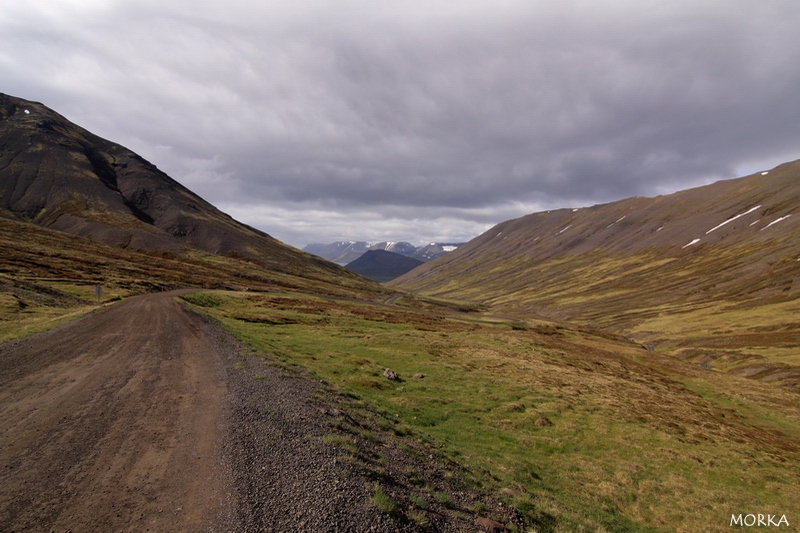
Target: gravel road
x: 147, y: 416
x: 113, y: 423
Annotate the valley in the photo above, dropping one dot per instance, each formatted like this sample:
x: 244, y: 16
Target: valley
x: 630, y: 366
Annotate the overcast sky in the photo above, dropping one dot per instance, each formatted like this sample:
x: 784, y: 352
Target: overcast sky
x: 431, y: 120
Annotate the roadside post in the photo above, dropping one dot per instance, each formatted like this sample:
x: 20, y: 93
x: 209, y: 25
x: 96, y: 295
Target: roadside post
x: 98, y: 291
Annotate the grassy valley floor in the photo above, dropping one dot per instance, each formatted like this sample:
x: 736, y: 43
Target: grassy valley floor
x: 579, y: 430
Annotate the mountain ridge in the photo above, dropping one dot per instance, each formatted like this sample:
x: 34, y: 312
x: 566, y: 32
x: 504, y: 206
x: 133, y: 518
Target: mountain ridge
x: 344, y: 252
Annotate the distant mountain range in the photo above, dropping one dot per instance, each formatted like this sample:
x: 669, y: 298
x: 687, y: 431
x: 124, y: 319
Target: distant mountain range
x: 345, y: 252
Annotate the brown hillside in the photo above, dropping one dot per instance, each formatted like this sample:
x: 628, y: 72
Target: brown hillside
x: 712, y: 272
x: 736, y: 238
x: 58, y: 175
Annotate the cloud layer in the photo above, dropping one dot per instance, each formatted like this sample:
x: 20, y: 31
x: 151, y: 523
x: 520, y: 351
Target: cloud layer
x: 418, y: 120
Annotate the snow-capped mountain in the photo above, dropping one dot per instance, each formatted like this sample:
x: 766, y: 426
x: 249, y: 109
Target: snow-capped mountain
x: 344, y: 252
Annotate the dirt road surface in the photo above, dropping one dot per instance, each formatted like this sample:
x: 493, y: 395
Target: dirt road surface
x: 113, y: 423
x: 147, y: 416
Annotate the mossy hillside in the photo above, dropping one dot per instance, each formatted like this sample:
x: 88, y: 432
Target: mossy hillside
x: 579, y: 431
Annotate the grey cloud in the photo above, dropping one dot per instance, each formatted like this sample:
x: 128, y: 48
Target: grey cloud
x: 422, y: 107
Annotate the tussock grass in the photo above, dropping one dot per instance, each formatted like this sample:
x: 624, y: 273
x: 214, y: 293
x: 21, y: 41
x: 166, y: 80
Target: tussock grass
x: 420, y: 518
x: 383, y: 501
x: 342, y: 441
x: 639, y: 440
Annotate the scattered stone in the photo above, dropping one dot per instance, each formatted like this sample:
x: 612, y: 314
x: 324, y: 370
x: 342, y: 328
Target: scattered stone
x: 390, y: 374
x: 492, y: 526
x: 418, y: 376
x: 542, y: 422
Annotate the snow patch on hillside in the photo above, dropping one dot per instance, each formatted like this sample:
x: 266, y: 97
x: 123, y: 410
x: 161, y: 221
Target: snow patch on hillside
x: 620, y: 219
x: 734, y: 218
x: 775, y: 222
x: 691, y: 243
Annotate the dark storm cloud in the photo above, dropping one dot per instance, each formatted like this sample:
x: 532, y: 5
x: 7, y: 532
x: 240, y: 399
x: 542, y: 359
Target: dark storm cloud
x: 426, y: 119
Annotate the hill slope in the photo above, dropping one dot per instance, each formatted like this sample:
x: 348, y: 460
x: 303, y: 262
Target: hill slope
x: 382, y: 266
x: 737, y: 239
x: 712, y: 273
x: 57, y: 175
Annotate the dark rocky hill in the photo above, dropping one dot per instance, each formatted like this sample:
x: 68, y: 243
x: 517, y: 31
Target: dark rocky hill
x: 56, y: 174
x: 383, y: 266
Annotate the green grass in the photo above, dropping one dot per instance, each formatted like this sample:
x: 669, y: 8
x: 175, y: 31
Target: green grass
x: 630, y: 448
x: 420, y: 518
x: 420, y: 502
x: 342, y: 441
x: 17, y: 324
x: 202, y: 299
x: 383, y: 501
